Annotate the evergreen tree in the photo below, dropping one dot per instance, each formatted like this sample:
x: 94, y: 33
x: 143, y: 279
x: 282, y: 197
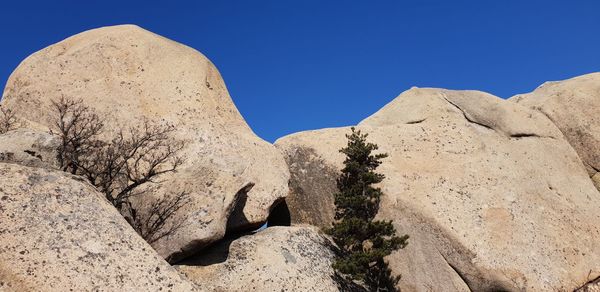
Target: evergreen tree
x: 363, y: 242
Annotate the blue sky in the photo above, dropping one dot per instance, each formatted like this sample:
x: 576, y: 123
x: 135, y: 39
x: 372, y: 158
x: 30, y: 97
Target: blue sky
x: 299, y: 65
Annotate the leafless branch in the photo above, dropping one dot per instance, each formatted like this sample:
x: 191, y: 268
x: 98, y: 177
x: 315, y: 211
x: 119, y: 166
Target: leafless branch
x: 153, y: 223
x: 8, y: 120
x: 79, y: 128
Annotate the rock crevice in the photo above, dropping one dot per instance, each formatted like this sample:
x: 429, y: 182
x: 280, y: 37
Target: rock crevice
x: 466, y: 116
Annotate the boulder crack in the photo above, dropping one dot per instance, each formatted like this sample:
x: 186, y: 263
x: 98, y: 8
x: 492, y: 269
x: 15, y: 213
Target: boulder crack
x: 529, y: 135
x: 592, y: 167
x: 416, y: 121
x: 470, y: 120
x: 457, y: 271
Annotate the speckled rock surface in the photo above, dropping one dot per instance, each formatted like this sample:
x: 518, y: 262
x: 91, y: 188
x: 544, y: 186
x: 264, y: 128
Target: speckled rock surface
x: 276, y: 259
x: 29, y: 148
x: 128, y: 74
x: 492, y: 195
x: 312, y: 207
x: 59, y: 234
x: 574, y: 107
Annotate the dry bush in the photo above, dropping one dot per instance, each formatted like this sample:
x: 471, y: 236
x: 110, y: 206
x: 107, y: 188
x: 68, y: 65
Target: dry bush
x: 151, y: 224
x: 8, y: 120
x: 79, y: 128
x: 127, y: 166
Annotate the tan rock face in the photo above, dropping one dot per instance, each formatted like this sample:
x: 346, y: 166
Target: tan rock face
x: 574, y: 106
x: 129, y: 74
x: 59, y: 234
x: 29, y: 148
x: 276, y: 259
x: 490, y: 192
x: 312, y: 207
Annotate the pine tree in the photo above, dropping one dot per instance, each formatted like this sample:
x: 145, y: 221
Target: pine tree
x: 363, y: 242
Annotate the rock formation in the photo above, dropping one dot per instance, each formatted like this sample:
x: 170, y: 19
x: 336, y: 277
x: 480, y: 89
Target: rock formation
x: 495, y: 194
x: 276, y: 259
x: 492, y: 195
x: 57, y: 233
x: 574, y: 107
x: 29, y: 148
x: 128, y: 74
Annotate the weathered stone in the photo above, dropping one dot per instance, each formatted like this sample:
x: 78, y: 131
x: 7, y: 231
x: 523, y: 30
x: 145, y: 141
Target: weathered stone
x: 315, y: 205
x: 29, y: 148
x: 128, y: 74
x: 492, y: 195
x: 276, y: 259
x: 58, y: 233
x: 574, y: 107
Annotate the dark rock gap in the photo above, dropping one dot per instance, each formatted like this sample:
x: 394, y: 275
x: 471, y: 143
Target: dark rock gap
x: 215, y: 253
x: 527, y: 135
x: 218, y: 251
x: 280, y: 215
x: 523, y: 135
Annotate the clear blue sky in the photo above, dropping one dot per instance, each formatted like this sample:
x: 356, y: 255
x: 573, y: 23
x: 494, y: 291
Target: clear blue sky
x: 298, y: 65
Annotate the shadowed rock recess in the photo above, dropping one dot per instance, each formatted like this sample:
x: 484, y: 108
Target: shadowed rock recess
x: 496, y: 195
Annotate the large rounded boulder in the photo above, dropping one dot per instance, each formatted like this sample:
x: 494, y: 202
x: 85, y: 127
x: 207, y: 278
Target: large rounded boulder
x: 276, y: 259
x: 128, y: 75
x: 57, y: 233
x: 574, y: 107
x: 493, y: 197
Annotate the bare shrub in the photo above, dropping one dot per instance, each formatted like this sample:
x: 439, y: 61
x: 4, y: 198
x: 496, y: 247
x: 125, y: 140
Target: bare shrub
x: 151, y: 224
x: 127, y: 166
x: 8, y: 120
x: 79, y: 128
